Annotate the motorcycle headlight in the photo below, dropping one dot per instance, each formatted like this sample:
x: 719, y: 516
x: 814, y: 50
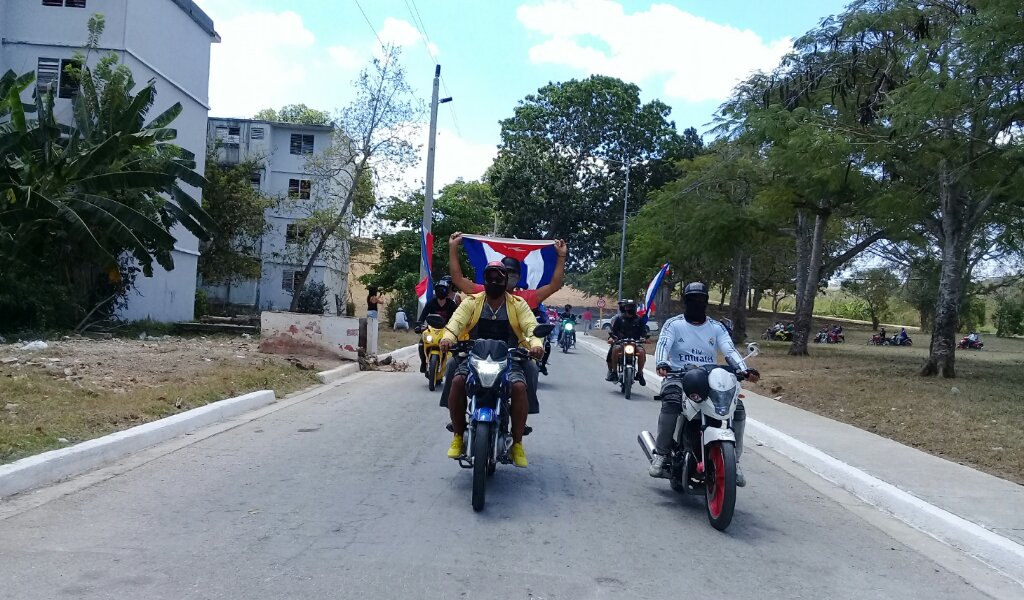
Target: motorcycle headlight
x: 630, y: 349
x: 568, y: 326
x: 487, y: 370
x: 430, y: 339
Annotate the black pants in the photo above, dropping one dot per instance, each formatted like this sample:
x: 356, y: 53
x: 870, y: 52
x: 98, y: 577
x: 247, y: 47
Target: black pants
x: 672, y: 407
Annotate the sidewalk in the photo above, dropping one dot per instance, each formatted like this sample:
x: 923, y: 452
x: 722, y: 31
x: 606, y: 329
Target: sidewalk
x: 976, y: 513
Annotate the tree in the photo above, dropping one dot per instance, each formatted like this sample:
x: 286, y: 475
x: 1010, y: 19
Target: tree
x: 90, y: 203
x: 238, y: 209
x: 373, y: 132
x: 461, y: 206
x: 295, y: 113
x: 875, y: 287
x: 561, y: 164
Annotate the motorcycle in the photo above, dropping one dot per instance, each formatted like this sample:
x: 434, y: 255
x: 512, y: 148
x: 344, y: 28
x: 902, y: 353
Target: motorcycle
x: 966, y: 344
x: 822, y: 337
x: 488, y: 437
x: 896, y: 341
x: 628, y: 366
x: 829, y: 336
x: 437, y: 360
x: 567, y: 338
x: 703, y: 456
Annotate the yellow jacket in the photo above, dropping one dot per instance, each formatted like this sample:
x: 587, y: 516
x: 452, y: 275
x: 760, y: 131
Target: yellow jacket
x: 520, y: 318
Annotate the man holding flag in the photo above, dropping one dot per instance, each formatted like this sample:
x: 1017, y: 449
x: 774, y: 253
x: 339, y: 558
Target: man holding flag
x: 543, y: 274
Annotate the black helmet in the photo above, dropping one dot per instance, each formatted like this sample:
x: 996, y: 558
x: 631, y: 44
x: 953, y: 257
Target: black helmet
x: 441, y: 289
x: 622, y: 306
x: 568, y: 307
x: 629, y: 307
x: 696, y: 289
x: 511, y: 264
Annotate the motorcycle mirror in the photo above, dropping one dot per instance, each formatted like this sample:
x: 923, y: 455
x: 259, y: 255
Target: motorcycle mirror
x: 542, y: 331
x: 435, y: 321
x: 753, y: 349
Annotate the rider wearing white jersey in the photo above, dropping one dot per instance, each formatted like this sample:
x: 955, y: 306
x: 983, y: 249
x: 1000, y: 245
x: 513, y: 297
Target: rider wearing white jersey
x: 686, y: 340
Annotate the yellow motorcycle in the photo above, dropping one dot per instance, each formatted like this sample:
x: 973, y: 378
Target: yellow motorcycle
x: 437, y: 361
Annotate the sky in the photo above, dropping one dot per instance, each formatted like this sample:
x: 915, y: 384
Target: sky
x: 687, y: 53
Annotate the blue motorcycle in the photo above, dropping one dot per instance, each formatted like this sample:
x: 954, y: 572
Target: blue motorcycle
x: 488, y: 437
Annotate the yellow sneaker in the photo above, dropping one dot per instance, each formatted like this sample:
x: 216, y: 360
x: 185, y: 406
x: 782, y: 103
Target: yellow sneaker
x: 455, y: 450
x: 519, y: 456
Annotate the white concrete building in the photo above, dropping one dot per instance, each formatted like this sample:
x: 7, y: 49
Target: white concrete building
x: 165, y: 40
x: 283, y: 150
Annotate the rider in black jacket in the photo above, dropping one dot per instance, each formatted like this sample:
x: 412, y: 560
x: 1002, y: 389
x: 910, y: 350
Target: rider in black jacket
x: 441, y: 305
x: 627, y: 326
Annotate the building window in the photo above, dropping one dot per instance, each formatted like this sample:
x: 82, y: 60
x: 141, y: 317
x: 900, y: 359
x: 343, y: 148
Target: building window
x: 299, y: 189
x: 55, y: 71
x: 256, y: 133
x: 67, y: 3
x: 254, y: 181
x: 301, y: 143
x: 291, y: 281
x: 294, y: 232
x: 229, y: 135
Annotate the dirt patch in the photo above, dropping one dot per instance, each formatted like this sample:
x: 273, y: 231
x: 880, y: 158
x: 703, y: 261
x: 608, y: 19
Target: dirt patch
x: 77, y: 389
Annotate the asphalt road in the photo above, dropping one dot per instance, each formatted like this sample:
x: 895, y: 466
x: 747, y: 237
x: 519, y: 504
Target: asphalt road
x: 350, y: 495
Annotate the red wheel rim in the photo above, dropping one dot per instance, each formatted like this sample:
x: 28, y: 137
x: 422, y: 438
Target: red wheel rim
x: 717, y: 498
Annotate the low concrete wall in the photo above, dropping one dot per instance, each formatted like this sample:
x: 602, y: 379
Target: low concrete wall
x: 312, y: 335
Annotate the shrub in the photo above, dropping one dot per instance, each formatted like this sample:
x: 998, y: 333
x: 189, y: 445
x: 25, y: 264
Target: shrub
x: 313, y: 298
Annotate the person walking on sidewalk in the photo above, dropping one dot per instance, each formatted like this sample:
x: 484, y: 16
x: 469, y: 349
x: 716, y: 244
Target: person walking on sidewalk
x: 588, y: 320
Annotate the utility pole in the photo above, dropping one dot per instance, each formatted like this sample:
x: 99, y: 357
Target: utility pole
x: 428, y: 202
x: 622, y: 248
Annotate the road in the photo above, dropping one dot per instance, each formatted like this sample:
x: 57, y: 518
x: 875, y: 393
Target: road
x: 350, y: 495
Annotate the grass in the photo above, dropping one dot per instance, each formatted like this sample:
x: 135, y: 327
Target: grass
x: 388, y: 340
x: 976, y: 419
x: 50, y: 408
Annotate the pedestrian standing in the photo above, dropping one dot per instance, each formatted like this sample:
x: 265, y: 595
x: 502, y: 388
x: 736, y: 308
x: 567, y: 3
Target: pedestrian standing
x: 588, y: 320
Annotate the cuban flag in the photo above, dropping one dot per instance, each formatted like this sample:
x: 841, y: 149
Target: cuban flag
x: 425, y: 288
x: 652, y: 291
x: 538, y: 257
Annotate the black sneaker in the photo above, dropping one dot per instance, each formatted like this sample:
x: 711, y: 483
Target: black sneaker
x: 612, y: 376
x: 543, y: 368
x: 640, y: 378
x: 423, y: 367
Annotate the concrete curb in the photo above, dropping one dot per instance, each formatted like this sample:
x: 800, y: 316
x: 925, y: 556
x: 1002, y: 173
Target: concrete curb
x: 332, y: 375
x: 55, y: 465
x: 999, y: 553
x: 402, y: 354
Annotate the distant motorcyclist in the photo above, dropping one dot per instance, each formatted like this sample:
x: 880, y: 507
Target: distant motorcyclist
x: 566, y: 316
x: 628, y: 326
x: 973, y: 337
x: 902, y: 339
x: 440, y: 304
x: 693, y: 339
x: 611, y: 325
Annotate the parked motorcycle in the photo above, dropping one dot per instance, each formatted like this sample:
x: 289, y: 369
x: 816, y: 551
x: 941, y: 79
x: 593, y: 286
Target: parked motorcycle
x: 703, y: 456
x: 967, y: 344
x: 628, y: 366
x: 488, y: 437
x: 437, y: 360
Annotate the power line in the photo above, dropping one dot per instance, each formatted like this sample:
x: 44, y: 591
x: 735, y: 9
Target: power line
x: 360, y: 6
x: 417, y: 21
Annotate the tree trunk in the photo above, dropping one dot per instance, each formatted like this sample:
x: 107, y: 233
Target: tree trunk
x: 755, y: 301
x: 954, y: 234
x: 740, y: 291
x: 874, y: 322
x: 805, y: 305
x: 721, y: 299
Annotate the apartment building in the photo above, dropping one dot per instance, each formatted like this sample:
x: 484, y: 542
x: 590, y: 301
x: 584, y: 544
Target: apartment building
x: 165, y: 40
x: 283, y: 151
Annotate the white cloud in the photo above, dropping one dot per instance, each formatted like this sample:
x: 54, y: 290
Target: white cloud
x: 403, y: 34
x: 345, y: 57
x: 262, y: 62
x: 455, y: 158
x: 697, y: 59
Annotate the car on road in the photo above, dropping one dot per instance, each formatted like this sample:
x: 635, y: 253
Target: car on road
x: 606, y: 324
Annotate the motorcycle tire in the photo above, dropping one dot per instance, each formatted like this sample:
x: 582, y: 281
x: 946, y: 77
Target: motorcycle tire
x: 908, y: 343
x: 627, y: 381
x: 720, y: 483
x: 432, y: 371
x: 481, y: 456
x: 565, y: 346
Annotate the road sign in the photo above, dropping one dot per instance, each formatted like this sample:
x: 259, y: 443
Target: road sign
x: 601, y: 303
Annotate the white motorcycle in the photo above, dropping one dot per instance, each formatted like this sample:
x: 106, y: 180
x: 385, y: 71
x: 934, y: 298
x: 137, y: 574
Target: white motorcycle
x: 703, y: 456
